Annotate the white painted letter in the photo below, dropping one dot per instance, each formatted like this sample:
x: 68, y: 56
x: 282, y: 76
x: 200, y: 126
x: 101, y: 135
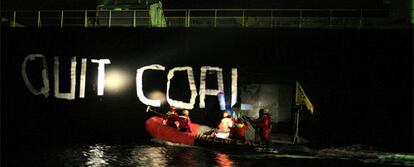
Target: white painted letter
x: 140, y: 92
x: 43, y: 90
x: 71, y: 95
x: 212, y: 92
x: 83, y: 79
x: 101, y: 74
x: 233, y: 86
x: 180, y: 104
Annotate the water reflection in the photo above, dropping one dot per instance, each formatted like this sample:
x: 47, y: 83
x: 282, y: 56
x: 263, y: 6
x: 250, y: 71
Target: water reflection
x: 142, y: 155
x: 149, y: 156
x: 95, y: 155
x: 223, y: 160
x: 98, y: 155
x: 167, y: 156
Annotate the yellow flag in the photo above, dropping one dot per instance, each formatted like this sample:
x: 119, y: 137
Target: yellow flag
x: 301, y: 98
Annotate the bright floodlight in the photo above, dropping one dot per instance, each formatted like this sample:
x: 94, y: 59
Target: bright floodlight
x: 116, y: 80
x: 157, y: 95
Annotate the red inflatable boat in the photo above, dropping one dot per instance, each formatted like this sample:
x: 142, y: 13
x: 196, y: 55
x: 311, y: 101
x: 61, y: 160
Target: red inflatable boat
x: 157, y: 130
x: 198, y: 137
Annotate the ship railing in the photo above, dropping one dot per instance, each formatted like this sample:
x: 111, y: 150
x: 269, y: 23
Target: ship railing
x: 235, y: 18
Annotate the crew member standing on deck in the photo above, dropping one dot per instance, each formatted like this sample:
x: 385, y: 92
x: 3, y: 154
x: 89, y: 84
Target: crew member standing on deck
x: 185, y: 122
x: 264, y: 126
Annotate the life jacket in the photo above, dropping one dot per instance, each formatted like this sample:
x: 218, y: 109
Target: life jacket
x: 264, y: 125
x: 185, y: 124
x: 239, y: 131
x: 171, y: 118
x: 225, y: 125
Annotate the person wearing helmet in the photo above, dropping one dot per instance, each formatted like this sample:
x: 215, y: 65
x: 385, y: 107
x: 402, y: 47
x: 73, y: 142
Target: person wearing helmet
x: 185, y: 122
x: 263, y: 126
x: 171, y: 118
x: 235, y: 113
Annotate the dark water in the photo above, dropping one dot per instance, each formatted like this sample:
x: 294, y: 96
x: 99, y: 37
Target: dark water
x: 152, y: 153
